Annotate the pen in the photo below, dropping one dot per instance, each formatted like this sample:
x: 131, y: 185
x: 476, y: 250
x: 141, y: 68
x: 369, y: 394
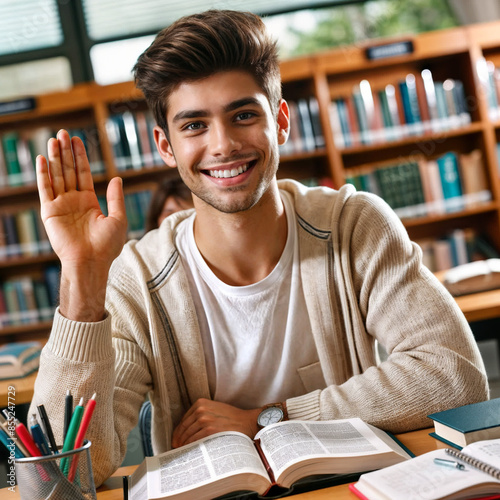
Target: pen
x: 87, y: 415
x: 5, y: 426
x: 69, y: 442
x: 68, y: 412
x: 449, y: 463
x: 48, y: 429
x: 6, y: 441
x: 26, y: 439
x: 38, y: 436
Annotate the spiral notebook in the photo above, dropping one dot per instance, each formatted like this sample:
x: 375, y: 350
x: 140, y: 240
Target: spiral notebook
x: 422, y: 478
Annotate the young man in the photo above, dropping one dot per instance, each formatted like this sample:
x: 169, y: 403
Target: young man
x: 267, y: 293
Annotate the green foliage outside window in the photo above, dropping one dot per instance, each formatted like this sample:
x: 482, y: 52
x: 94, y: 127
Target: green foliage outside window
x: 311, y: 31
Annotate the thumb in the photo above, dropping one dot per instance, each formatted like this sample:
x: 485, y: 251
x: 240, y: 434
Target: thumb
x: 116, y: 199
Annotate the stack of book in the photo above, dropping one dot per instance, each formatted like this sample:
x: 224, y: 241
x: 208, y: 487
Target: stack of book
x: 28, y: 299
x: 413, y: 106
x: 18, y: 151
x: 424, y: 187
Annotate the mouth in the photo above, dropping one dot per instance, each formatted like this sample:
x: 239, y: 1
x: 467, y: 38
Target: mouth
x: 228, y: 173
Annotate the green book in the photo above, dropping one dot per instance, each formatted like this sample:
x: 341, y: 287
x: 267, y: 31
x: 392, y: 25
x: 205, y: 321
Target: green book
x: 467, y: 424
x: 14, y: 174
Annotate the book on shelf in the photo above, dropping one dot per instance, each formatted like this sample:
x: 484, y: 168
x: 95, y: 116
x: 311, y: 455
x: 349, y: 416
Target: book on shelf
x: 422, y: 186
x: 23, y: 235
x: 28, y: 299
x: 90, y: 138
x: 319, y: 139
x: 18, y: 151
x: 456, y: 248
x: 461, y: 426
x: 18, y: 359
x: 306, y: 133
x: 431, y: 476
x: 450, y: 181
x: 306, y: 126
x: 279, y: 458
x: 136, y: 206
x: 410, y: 107
x: 9, y: 144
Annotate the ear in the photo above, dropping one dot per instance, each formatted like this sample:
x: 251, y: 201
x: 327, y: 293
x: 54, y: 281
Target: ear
x: 163, y: 147
x: 283, y: 122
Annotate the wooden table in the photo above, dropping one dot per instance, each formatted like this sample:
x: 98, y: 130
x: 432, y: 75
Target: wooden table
x: 23, y: 390
x: 418, y: 442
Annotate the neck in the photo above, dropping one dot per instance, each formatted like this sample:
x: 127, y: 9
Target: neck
x: 242, y: 248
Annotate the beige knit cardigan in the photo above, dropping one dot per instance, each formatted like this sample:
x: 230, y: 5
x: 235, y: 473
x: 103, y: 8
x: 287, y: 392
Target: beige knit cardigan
x: 363, y: 280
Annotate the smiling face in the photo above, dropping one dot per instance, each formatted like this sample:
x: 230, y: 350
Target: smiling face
x: 224, y: 140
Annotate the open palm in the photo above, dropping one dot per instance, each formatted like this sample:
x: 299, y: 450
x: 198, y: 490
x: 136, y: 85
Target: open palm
x: 78, y: 230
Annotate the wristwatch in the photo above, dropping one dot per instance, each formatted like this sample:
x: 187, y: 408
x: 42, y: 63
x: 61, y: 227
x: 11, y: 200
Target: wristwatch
x: 271, y: 414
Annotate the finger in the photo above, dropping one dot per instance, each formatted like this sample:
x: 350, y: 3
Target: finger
x: 184, y: 434
x: 187, y: 426
x: 55, y: 168
x: 43, y: 180
x: 68, y: 164
x: 83, y: 173
x: 116, y: 199
x: 202, y: 433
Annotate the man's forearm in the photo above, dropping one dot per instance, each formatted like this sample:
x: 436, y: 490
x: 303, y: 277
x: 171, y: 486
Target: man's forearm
x: 82, y: 294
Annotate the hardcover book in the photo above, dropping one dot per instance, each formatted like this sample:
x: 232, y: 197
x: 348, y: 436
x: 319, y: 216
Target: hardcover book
x: 467, y: 424
x: 280, y: 456
x: 19, y: 359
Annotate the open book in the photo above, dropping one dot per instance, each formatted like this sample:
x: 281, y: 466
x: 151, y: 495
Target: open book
x: 280, y: 454
x: 422, y: 478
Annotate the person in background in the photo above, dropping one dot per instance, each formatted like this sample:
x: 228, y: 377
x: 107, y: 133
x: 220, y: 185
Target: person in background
x: 171, y: 196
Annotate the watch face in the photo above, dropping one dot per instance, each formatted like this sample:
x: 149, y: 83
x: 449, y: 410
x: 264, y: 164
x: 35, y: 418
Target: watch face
x: 270, y: 416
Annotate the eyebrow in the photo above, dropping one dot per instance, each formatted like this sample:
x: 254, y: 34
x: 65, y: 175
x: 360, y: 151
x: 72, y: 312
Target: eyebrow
x: 201, y: 113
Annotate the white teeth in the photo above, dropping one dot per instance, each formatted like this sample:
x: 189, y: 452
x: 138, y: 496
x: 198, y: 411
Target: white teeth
x: 228, y: 173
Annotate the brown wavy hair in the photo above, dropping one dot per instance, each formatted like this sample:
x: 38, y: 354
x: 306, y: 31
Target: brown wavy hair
x: 197, y: 46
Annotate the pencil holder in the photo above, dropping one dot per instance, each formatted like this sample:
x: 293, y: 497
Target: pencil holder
x: 61, y: 476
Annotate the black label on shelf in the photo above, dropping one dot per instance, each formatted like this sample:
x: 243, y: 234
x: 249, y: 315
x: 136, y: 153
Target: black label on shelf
x: 390, y: 50
x: 17, y: 106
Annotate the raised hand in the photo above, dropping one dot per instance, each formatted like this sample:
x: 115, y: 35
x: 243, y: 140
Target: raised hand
x: 83, y: 238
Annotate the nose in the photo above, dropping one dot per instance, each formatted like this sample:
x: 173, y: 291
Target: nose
x: 224, y: 140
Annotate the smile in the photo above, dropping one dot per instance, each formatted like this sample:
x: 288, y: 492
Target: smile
x: 228, y: 173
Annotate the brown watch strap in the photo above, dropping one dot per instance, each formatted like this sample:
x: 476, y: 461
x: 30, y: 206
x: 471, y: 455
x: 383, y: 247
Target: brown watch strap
x: 282, y: 406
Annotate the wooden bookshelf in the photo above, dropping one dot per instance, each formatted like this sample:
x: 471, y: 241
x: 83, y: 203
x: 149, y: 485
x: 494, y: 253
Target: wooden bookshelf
x: 453, y: 54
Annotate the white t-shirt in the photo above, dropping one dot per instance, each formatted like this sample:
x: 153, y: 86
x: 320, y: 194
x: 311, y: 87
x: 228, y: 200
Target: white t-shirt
x: 255, y: 337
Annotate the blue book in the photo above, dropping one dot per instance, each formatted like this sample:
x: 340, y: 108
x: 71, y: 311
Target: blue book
x: 467, y: 424
x: 19, y: 359
x: 450, y: 181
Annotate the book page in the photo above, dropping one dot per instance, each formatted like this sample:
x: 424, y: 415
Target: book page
x: 420, y: 478
x: 289, y: 442
x: 200, y: 463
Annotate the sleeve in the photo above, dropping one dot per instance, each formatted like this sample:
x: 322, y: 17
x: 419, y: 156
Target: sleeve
x: 86, y: 359
x: 433, y: 361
